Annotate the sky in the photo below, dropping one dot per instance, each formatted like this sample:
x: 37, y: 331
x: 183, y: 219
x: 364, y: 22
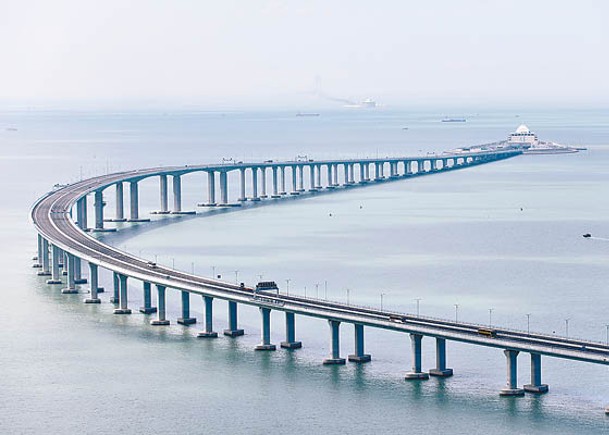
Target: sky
x: 223, y: 53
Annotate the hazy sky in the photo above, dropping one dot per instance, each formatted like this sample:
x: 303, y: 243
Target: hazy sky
x: 270, y: 52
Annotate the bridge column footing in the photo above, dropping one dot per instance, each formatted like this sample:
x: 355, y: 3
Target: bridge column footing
x: 291, y: 344
x: 205, y: 334
x: 137, y: 220
x: 115, y: 220
x: 190, y: 212
x: 149, y: 310
x: 446, y: 373
x: 509, y: 392
x: 265, y: 347
x: 411, y: 376
x: 160, y: 322
x: 69, y: 291
x: 360, y: 358
x: 334, y: 361
x: 536, y: 389
x: 101, y: 230
x: 122, y: 311
x: 233, y: 332
x: 80, y: 281
x: 275, y: 196
x: 187, y: 320
x: 92, y: 301
x: 54, y: 281
x: 160, y: 212
x: 43, y: 273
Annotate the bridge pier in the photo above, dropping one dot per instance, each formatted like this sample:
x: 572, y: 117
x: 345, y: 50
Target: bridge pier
x: 116, y: 288
x: 163, y: 192
x: 312, y: 178
x: 536, y: 386
x: 290, y: 333
x: 99, y: 210
x: 119, y: 214
x: 176, y: 186
x: 208, y: 332
x: 294, y: 180
x: 211, y: 188
x: 55, y: 258
x: 134, y: 211
x: 282, y: 174
x: 300, y: 169
x: 335, y: 175
x: 511, y: 389
x: 81, y: 213
x: 46, y: 264
x: 186, y: 319
x: 334, y: 344
x: 122, y: 299
x: 223, y: 188
x: 161, y: 319
x: 147, y: 308
x: 359, y: 356
x: 263, y: 183
x: 232, y: 330
x: 71, y: 285
x: 441, y: 370
x: 416, y: 372
x: 329, y: 176
x: 94, y: 285
x: 242, y: 181
x: 255, y: 184
x: 78, y: 279
x: 274, y: 177
x: 265, y: 314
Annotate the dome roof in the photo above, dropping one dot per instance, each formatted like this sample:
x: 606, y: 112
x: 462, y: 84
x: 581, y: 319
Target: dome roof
x: 523, y: 129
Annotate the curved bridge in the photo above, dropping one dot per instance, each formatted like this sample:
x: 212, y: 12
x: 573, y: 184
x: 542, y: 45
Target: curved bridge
x: 64, y: 242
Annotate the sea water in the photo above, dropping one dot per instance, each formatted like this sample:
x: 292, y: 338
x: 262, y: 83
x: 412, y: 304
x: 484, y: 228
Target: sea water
x: 499, y: 243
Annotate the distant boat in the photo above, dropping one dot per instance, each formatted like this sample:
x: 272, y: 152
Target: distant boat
x: 587, y: 235
x: 307, y: 114
x: 454, y: 120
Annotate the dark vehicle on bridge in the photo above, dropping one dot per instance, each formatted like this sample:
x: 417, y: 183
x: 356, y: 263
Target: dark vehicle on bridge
x: 266, y: 286
x: 487, y: 332
x: 151, y: 264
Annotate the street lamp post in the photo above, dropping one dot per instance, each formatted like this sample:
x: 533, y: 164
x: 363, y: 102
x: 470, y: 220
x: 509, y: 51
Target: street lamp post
x: 236, y: 277
x: 347, y: 296
x: 567, y: 327
x: 490, y: 316
x: 382, y: 294
x: 456, y: 313
x: 317, y: 290
x: 607, y: 326
x: 528, y: 323
x: 287, y: 285
x: 418, y: 305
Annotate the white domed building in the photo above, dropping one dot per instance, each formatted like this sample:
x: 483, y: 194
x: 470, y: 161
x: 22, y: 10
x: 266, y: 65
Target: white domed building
x: 523, y: 137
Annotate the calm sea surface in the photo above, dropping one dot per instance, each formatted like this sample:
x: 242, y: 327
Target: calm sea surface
x: 505, y: 237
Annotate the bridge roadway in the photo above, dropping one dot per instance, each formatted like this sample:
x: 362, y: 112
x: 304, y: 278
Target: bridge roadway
x: 51, y: 216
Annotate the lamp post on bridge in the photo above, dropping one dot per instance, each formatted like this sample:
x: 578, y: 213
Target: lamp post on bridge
x: 382, y: 294
x: 236, y: 277
x: 567, y: 327
x: 347, y: 296
x: 418, y: 305
x: 317, y: 290
x: 287, y: 286
x: 490, y: 316
x: 456, y: 313
x: 607, y: 326
x: 528, y: 323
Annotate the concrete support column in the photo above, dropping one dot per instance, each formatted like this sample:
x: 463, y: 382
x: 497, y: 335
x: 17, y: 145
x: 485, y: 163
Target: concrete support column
x: 99, y: 210
x: 232, y: 330
x: 38, y: 257
x: 318, y: 177
x: 186, y: 319
x: 164, y: 201
x: 44, y: 260
x: 441, y: 369
x: 116, y: 288
x: 265, y: 314
x: 274, y: 176
x: 301, y: 178
x: 55, y: 260
x: 78, y: 279
x: 242, y: 179
x: 416, y: 372
x: 334, y: 344
x: 352, y: 173
x: 223, y: 188
x: 367, y: 171
x: 122, y: 298
x: 211, y: 188
x: 335, y: 175
x: 378, y: 171
x: 312, y: 169
x: 282, y: 173
x: 345, y: 174
x: 263, y: 183
x: 511, y: 389
x: 255, y: 184
x: 71, y: 285
x: 536, y: 386
x: 134, y: 213
x: 294, y: 179
x: 329, y: 169
x: 407, y: 168
x: 161, y: 314
x: 81, y: 213
x: 119, y: 215
x: 208, y: 332
x: 147, y: 308
x: 177, y: 193
x: 359, y: 356
x: 362, y: 173
x: 290, y: 333
x: 94, y: 285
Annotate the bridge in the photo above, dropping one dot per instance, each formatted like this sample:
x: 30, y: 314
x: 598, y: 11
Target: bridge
x: 64, y: 240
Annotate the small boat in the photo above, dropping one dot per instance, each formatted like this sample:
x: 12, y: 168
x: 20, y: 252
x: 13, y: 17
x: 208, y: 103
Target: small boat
x: 454, y: 120
x: 307, y: 114
x: 587, y: 235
